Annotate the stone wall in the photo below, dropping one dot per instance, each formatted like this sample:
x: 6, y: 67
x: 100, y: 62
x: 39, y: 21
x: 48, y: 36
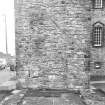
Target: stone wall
x: 97, y: 54
x: 52, y: 37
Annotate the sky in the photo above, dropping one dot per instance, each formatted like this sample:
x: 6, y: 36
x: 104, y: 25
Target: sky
x: 7, y: 9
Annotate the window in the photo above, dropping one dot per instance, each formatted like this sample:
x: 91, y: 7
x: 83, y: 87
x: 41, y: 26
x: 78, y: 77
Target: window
x: 98, y: 4
x: 97, y: 38
x: 97, y: 65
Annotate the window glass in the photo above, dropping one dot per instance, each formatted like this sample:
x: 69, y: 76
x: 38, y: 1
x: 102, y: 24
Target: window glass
x: 97, y: 35
x: 98, y: 3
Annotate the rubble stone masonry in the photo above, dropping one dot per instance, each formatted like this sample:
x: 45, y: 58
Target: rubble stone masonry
x: 52, y: 37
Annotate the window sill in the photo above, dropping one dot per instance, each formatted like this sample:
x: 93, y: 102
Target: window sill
x: 97, y: 46
x: 101, y: 9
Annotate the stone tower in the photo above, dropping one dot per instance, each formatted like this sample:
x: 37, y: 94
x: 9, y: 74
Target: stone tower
x: 53, y: 42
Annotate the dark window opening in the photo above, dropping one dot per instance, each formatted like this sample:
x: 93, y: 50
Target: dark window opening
x: 97, y: 65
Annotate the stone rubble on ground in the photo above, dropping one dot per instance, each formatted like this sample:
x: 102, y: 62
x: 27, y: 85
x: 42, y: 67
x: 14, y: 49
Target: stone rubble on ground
x: 19, y: 96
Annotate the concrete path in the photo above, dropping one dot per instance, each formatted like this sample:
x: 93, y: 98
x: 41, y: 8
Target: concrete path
x: 5, y: 80
x: 8, y: 85
x: 6, y: 75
